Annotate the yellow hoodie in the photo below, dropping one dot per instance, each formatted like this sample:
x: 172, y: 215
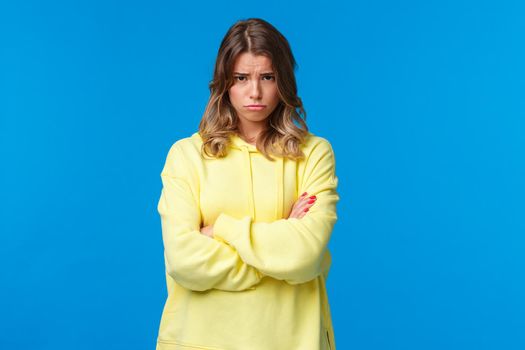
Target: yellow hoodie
x: 259, y: 283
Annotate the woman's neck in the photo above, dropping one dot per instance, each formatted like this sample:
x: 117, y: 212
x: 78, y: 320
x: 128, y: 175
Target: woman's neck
x: 250, y: 134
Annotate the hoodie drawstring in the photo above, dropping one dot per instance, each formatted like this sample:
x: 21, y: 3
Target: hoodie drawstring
x: 279, y: 172
x: 248, y: 166
x: 279, y: 168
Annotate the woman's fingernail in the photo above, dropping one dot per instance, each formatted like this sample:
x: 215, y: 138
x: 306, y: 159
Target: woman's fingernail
x: 306, y: 209
x: 313, y: 197
x: 311, y: 201
x: 303, y: 194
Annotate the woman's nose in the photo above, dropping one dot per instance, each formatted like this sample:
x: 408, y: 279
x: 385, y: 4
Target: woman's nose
x: 255, y: 91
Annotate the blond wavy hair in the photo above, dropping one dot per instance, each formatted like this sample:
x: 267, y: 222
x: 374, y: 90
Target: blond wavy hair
x: 281, y: 137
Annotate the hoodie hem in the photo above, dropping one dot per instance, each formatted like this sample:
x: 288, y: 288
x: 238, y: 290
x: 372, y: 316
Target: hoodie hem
x: 176, y: 345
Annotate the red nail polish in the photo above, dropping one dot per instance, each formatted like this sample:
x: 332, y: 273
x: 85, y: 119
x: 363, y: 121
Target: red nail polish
x: 303, y: 194
x: 311, y: 201
x: 306, y: 209
x: 313, y: 197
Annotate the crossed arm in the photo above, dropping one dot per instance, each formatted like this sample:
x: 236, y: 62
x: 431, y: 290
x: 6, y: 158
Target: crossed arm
x: 242, y: 252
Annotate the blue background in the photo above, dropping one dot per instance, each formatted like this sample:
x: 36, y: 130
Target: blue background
x: 423, y: 103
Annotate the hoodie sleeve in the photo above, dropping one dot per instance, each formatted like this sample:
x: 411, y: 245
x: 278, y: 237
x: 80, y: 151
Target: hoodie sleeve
x: 294, y: 250
x: 193, y: 260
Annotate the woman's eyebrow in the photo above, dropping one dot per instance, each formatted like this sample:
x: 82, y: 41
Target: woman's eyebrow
x: 265, y: 73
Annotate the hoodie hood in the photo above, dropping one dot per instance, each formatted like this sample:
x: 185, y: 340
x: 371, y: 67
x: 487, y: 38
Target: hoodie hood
x: 248, y: 150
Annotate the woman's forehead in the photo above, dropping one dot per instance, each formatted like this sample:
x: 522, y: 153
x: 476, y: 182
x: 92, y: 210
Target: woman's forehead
x: 248, y: 61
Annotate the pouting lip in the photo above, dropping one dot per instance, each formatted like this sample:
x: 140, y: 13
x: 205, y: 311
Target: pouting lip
x: 255, y: 106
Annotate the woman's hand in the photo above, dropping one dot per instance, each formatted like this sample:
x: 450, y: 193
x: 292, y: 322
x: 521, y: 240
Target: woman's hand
x: 299, y: 209
x: 207, y: 231
x: 302, y: 205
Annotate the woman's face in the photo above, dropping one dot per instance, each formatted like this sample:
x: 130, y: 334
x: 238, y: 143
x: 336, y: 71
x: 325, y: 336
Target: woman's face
x: 253, y: 84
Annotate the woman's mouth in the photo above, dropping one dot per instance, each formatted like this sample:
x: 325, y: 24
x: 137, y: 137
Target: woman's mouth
x: 255, y: 107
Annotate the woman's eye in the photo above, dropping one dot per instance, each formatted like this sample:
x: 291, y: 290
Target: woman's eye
x: 243, y: 78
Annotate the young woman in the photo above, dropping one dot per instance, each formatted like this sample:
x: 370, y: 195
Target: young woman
x: 247, y: 209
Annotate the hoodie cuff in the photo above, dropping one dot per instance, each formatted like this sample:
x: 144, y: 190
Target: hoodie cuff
x: 227, y: 229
